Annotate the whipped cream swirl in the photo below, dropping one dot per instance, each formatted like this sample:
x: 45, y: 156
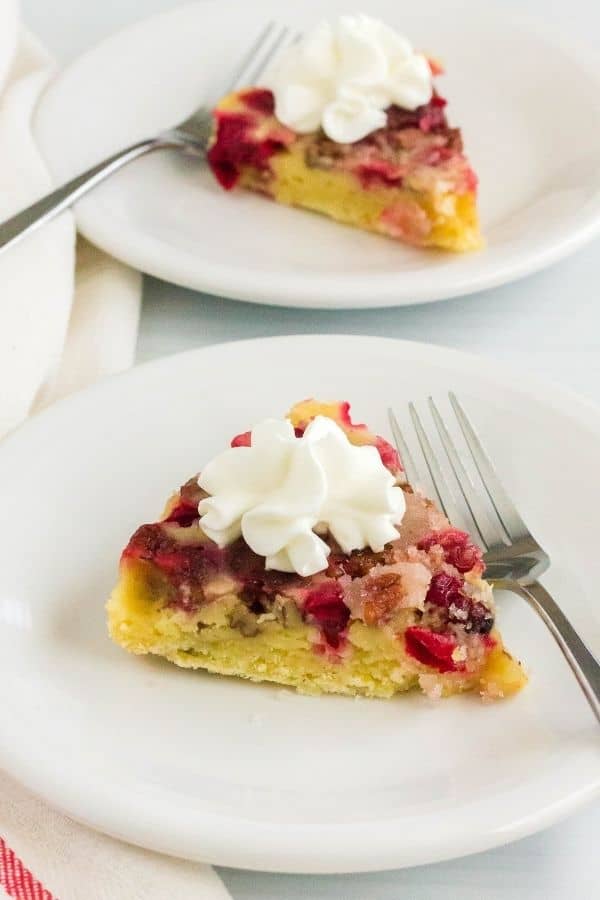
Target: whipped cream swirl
x: 343, y: 76
x: 282, y: 490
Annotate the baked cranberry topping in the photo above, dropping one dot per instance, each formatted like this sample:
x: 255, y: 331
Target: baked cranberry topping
x: 378, y: 172
x: 445, y: 591
x: 188, y: 566
x: 344, y: 416
x: 438, y: 155
x: 325, y: 607
x: 433, y: 117
x: 488, y: 641
x: 184, y: 514
x: 432, y: 649
x: 429, y: 117
x: 180, y: 562
x: 459, y: 549
x: 249, y: 568
x: 481, y: 620
x: 261, y: 100
x: 230, y: 147
x: 236, y: 146
x: 389, y: 456
x: 388, y: 154
x: 472, y: 181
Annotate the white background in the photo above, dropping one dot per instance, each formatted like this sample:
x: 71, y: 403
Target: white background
x: 548, y: 323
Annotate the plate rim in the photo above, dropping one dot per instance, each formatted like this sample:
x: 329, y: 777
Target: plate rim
x: 329, y: 291
x: 336, y: 841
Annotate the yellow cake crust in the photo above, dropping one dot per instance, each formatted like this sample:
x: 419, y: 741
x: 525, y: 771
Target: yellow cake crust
x: 416, y: 614
x: 373, y: 663
x: 433, y: 203
x: 450, y: 220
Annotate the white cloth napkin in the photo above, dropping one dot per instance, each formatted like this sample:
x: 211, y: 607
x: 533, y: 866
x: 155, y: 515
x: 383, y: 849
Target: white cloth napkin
x: 75, y: 863
x: 66, y: 317
x: 68, y: 314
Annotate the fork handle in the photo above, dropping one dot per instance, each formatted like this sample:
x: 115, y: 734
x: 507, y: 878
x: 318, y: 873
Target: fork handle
x: 582, y: 661
x: 57, y: 201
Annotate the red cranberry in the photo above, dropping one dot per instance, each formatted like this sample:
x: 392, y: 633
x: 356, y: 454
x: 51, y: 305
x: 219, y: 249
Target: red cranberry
x: 472, y: 181
x: 344, y: 415
x: 432, y: 649
x: 146, y: 542
x: 428, y: 117
x: 459, y: 549
x: 389, y: 456
x: 444, y: 590
x: 184, y: 514
x: 377, y: 173
x: 242, y: 440
x: 488, y: 642
x: 398, y: 118
x: 223, y: 157
x: 179, y: 562
x: 481, y: 619
x: 438, y: 155
x: 433, y: 115
x: 235, y: 146
x: 261, y: 100
x: 325, y: 607
x: 226, y: 173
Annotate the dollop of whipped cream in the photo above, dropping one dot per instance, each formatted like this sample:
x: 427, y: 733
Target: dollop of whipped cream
x: 282, y: 490
x: 343, y: 76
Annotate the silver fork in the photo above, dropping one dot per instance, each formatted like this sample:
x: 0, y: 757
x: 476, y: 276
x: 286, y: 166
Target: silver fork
x: 513, y: 557
x: 191, y: 135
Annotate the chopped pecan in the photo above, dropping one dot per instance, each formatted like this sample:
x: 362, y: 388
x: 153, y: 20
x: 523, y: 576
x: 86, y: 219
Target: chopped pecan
x: 385, y: 595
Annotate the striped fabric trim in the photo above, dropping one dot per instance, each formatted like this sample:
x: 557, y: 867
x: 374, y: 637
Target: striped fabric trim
x: 17, y: 881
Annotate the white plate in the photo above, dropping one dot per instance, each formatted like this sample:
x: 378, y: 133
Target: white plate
x: 250, y: 775
x: 521, y: 97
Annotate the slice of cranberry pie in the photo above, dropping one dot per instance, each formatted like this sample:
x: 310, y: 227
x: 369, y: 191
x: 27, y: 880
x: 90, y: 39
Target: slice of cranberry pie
x: 349, y: 124
x: 388, y: 616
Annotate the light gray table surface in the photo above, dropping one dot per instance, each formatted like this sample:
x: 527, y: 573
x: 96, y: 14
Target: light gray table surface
x: 548, y: 323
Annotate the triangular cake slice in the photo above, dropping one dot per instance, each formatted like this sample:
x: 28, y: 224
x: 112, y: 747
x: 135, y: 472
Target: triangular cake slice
x: 407, y: 178
x: 416, y: 613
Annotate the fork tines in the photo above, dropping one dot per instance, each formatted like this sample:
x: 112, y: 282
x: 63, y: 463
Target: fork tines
x: 497, y: 522
x: 271, y: 39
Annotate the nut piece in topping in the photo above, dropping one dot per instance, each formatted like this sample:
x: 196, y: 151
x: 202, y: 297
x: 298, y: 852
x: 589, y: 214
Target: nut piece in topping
x: 245, y: 621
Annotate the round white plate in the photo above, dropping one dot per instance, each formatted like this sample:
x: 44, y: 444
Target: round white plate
x: 248, y: 775
x: 521, y: 98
